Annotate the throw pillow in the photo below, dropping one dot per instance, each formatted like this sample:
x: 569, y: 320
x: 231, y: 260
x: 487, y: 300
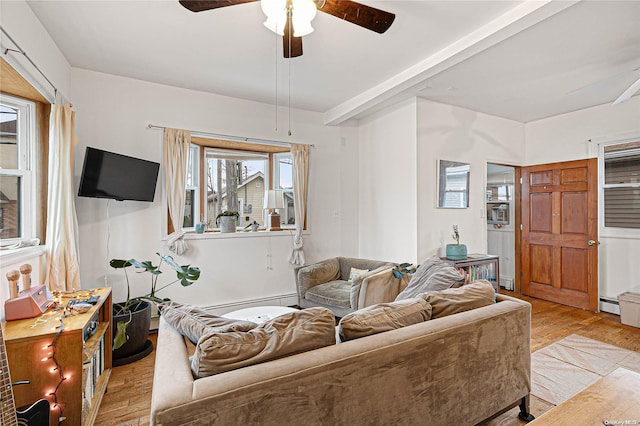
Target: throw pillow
x: 193, y: 322
x: 355, y: 273
x: 432, y: 275
x: 288, y: 334
x: 465, y: 298
x: 383, y: 317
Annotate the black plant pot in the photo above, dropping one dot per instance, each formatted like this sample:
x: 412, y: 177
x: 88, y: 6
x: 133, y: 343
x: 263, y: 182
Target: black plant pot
x: 137, y: 345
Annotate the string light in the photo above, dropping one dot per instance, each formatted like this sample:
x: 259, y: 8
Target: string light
x: 53, y: 394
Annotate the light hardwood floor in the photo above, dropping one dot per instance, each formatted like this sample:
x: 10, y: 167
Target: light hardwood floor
x: 128, y: 397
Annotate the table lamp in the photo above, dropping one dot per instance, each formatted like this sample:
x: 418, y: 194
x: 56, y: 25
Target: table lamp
x: 273, y: 199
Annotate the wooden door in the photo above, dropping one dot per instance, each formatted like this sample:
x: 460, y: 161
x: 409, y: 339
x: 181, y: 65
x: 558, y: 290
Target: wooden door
x: 559, y: 251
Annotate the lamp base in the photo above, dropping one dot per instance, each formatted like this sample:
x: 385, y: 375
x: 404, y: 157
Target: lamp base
x: 274, y: 222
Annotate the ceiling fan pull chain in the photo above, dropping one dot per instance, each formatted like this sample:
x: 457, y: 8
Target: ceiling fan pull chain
x: 276, y: 56
x: 290, y: 23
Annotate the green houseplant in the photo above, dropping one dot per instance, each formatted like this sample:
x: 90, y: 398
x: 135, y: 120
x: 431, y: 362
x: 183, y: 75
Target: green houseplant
x: 227, y: 220
x: 132, y: 317
x: 456, y: 251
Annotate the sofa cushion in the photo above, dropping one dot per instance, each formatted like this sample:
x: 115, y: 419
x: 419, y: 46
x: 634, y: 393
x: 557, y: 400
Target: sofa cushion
x: 432, y: 275
x: 288, y: 334
x: 334, y: 293
x: 193, y: 322
x: 453, y: 300
x: 383, y: 317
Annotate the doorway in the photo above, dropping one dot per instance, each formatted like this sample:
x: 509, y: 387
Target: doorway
x: 500, y: 202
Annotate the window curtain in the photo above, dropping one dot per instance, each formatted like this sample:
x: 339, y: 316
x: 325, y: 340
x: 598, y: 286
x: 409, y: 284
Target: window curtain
x: 176, y: 157
x: 300, y: 157
x: 62, y: 224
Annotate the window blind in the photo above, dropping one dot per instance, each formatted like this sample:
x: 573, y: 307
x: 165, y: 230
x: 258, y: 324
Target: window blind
x: 622, y: 186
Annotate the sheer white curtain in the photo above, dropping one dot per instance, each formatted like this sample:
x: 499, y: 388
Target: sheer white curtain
x: 176, y: 157
x: 62, y: 224
x: 300, y: 157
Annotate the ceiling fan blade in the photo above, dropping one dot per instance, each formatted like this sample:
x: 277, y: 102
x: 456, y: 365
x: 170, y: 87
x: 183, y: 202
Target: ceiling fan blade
x: 202, y: 5
x: 291, y: 46
x: 628, y: 93
x: 365, y: 16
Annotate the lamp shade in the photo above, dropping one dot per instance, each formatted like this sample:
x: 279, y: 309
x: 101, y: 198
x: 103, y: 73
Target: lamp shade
x: 273, y: 199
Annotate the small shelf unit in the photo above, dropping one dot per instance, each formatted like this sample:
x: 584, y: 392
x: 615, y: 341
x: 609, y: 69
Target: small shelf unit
x: 479, y: 267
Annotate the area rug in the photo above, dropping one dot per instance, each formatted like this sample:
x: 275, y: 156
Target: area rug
x: 568, y: 366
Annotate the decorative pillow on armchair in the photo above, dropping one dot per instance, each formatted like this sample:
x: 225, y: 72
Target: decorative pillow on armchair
x: 193, y: 322
x: 432, y: 275
x: 288, y: 334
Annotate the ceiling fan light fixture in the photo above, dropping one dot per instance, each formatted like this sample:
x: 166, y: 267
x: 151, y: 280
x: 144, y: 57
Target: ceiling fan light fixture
x: 302, y: 13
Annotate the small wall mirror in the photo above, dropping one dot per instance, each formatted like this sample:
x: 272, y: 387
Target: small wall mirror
x: 453, y: 185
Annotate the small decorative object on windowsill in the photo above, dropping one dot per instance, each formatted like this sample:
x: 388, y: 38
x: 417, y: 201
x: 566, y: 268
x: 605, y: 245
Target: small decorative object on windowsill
x: 252, y: 227
x: 456, y: 251
x: 202, y: 226
x: 274, y: 199
x: 227, y: 221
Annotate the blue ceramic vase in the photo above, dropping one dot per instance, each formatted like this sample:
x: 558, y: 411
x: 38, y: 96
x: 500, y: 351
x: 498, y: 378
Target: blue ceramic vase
x: 456, y: 251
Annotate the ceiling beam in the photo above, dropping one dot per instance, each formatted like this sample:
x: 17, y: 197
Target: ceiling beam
x: 414, y: 79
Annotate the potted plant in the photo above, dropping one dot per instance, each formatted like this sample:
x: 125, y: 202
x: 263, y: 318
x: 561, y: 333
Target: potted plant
x: 133, y: 316
x: 456, y: 251
x: 227, y: 220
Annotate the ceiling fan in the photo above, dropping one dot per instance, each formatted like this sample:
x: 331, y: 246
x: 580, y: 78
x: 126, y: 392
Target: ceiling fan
x: 292, y: 18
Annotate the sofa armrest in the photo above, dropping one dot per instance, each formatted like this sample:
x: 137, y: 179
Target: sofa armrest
x: 317, y: 273
x: 378, y: 281
x: 172, y: 378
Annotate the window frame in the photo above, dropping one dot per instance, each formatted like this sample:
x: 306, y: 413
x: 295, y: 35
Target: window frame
x: 608, y: 231
x: 203, y: 141
x: 26, y: 143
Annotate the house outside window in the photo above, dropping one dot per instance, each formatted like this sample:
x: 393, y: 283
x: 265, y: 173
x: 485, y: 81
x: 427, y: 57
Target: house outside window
x: 621, y: 185
x: 236, y: 181
x: 17, y: 171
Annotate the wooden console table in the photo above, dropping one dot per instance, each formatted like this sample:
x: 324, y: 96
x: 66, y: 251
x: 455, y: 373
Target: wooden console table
x: 612, y: 400
x: 83, y: 350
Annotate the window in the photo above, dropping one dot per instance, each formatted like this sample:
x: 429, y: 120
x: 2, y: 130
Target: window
x: 192, y: 194
x: 283, y: 179
x: 621, y: 185
x: 17, y: 180
x: 227, y: 175
x: 236, y: 182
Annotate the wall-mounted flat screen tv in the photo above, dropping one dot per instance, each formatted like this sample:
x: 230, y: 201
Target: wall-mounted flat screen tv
x: 116, y: 176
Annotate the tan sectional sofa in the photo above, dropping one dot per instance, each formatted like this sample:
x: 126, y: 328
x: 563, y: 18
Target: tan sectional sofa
x: 461, y: 369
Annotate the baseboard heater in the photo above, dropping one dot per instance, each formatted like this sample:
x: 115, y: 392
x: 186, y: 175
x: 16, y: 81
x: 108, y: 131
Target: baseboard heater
x: 609, y: 300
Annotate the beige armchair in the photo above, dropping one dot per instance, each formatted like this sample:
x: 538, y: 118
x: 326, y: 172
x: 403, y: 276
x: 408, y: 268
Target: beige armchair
x: 327, y: 284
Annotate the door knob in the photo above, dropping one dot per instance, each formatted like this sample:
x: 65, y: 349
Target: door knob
x: 593, y: 242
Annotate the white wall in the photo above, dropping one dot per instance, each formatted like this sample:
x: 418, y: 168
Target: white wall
x: 19, y: 21
x: 399, y: 149
x: 113, y: 113
x: 447, y: 132
x: 566, y: 137
x: 387, y: 189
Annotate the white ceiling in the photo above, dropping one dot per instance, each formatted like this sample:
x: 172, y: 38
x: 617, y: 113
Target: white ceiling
x: 522, y: 60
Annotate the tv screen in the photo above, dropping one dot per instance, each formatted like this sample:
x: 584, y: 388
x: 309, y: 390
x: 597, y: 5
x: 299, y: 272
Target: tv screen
x: 116, y: 176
